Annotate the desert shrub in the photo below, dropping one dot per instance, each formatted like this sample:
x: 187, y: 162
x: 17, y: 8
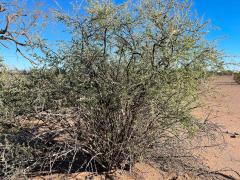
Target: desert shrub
x: 237, y: 77
x: 124, y: 85
x: 34, y: 91
x: 225, y: 72
x: 21, y: 93
x: 138, y: 70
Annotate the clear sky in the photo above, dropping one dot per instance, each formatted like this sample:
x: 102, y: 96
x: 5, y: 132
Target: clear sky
x: 225, y: 15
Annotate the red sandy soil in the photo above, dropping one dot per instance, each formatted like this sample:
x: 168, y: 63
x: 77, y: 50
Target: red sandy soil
x: 139, y: 172
x: 224, y: 108
x: 223, y: 104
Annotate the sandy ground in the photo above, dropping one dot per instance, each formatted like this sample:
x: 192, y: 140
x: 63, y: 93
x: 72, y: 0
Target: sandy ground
x: 140, y: 172
x: 223, y: 105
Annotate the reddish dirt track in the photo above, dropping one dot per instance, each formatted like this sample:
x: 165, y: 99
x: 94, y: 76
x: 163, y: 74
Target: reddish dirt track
x: 224, y: 106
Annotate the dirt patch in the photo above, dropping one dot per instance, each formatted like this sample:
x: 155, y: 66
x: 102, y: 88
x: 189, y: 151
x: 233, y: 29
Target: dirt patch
x: 141, y: 171
x: 223, y: 107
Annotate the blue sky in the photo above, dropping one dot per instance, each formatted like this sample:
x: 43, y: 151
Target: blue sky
x: 225, y: 15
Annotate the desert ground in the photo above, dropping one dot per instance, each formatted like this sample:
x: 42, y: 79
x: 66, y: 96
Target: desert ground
x: 222, y: 107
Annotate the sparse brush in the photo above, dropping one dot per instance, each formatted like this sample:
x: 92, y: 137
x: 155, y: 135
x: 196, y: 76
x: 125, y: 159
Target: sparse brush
x: 237, y: 77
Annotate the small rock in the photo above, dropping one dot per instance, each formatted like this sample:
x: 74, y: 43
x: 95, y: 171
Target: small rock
x: 233, y: 136
x: 89, y: 178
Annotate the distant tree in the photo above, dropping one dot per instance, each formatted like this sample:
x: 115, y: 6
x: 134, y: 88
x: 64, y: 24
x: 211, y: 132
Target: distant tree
x: 17, y: 26
x: 237, y: 77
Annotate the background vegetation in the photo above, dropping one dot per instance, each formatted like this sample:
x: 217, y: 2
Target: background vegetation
x: 237, y: 77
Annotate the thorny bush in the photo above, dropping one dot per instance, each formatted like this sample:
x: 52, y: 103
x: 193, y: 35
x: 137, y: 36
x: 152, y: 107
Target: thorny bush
x: 122, y: 87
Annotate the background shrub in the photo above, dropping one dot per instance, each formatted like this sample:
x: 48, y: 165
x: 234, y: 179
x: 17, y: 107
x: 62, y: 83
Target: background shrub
x: 237, y: 77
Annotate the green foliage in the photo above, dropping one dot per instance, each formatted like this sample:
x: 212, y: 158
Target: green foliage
x: 34, y: 91
x: 237, y: 77
x: 226, y: 72
x: 138, y: 69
